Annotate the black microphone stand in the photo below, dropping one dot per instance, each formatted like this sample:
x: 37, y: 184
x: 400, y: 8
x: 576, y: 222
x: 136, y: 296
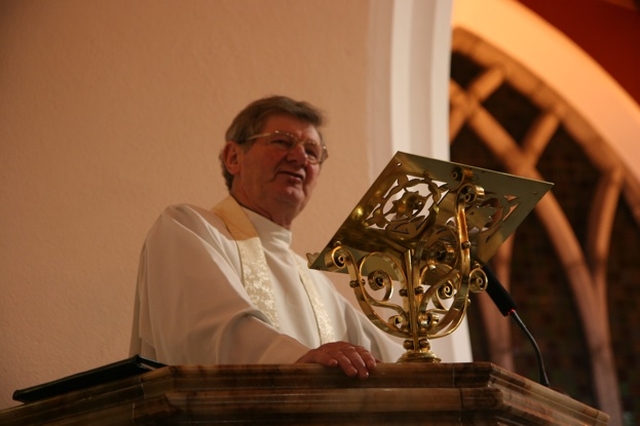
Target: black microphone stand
x: 507, y: 307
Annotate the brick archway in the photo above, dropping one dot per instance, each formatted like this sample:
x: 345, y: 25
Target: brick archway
x: 560, y: 264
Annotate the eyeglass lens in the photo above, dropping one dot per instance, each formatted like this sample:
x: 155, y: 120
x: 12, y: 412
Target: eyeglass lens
x: 287, y: 142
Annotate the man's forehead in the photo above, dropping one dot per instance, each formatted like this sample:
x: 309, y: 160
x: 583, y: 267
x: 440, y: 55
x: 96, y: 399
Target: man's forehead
x: 290, y: 123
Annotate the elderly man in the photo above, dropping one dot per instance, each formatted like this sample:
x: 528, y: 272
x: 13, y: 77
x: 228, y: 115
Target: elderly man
x: 222, y: 286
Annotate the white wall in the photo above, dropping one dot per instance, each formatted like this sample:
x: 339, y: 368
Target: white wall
x: 409, y: 63
x: 111, y: 110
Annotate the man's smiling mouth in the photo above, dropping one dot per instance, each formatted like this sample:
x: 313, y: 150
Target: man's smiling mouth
x: 294, y: 175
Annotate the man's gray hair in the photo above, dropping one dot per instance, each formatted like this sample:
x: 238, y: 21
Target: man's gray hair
x: 251, y: 120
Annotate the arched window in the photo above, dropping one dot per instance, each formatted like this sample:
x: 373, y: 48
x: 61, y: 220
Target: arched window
x: 573, y: 265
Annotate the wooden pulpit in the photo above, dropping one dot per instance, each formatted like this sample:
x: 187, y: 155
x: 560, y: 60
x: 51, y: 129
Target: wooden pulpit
x: 394, y: 394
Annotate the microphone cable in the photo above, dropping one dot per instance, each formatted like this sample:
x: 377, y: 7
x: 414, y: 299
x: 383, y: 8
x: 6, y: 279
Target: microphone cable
x: 505, y: 303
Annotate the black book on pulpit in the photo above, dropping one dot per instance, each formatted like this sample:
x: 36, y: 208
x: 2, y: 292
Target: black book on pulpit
x: 107, y: 373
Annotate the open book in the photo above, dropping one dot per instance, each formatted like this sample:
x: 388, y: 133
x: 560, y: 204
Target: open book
x: 97, y: 376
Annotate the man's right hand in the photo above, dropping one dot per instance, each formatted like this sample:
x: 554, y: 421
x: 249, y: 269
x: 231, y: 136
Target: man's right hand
x: 352, y: 359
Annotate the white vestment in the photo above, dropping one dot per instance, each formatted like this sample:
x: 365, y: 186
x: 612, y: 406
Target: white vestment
x: 192, y: 306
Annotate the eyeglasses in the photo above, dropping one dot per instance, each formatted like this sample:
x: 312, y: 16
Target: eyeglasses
x: 315, y: 152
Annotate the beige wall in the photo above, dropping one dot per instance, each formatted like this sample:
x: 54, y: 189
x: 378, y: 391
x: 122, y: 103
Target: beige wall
x: 111, y: 110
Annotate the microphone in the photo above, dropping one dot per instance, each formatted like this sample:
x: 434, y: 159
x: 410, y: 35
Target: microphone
x: 498, y: 293
x: 503, y: 300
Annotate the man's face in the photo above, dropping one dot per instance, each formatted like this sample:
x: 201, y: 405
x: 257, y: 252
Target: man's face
x: 274, y: 183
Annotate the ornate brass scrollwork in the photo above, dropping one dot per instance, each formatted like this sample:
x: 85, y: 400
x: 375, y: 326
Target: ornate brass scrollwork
x: 424, y: 229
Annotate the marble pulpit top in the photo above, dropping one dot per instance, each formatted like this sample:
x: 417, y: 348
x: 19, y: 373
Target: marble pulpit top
x: 402, y: 394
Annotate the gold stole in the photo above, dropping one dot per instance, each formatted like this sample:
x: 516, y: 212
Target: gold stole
x: 255, y: 273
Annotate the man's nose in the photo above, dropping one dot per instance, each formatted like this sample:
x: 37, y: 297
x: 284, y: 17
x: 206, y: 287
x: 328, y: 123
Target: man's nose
x: 298, y: 153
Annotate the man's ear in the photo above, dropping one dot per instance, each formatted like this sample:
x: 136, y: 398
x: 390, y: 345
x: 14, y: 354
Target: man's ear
x: 231, y: 157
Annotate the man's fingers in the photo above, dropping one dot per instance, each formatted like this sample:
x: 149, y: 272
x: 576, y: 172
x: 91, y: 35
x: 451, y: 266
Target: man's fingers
x: 353, y: 360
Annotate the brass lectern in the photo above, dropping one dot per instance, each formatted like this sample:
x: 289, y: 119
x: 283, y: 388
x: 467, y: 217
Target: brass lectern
x: 424, y: 229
